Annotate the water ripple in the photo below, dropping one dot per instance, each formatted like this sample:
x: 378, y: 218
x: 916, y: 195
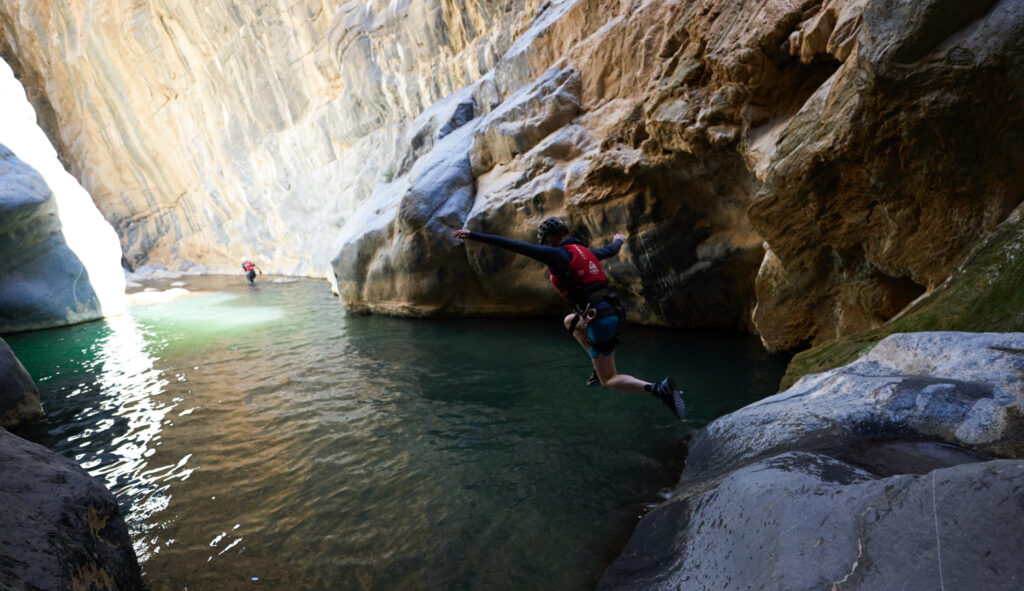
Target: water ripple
x: 263, y: 436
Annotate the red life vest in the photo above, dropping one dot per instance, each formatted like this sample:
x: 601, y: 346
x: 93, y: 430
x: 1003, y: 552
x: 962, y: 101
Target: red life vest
x: 247, y: 266
x: 584, y: 270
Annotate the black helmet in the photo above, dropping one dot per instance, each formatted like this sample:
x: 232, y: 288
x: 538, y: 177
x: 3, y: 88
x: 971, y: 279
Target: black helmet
x: 551, y: 227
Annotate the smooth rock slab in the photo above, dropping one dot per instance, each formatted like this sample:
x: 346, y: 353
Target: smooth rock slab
x: 43, y: 283
x: 59, y: 527
x: 966, y: 389
x: 808, y: 521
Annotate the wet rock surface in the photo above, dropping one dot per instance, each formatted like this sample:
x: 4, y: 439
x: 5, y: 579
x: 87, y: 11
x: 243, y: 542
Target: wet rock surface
x: 61, y: 528
x: 902, y: 470
x: 19, y: 398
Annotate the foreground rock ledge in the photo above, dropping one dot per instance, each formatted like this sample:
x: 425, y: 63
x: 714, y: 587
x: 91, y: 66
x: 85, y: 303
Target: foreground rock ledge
x: 59, y: 527
x: 877, y: 475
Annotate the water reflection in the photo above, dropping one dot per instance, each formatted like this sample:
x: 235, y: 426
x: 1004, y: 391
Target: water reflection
x: 262, y: 434
x: 118, y: 434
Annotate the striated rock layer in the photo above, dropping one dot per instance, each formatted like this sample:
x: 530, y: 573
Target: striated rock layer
x: 803, y: 168
x: 224, y: 129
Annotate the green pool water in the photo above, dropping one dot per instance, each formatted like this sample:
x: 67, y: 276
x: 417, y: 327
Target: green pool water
x: 259, y: 437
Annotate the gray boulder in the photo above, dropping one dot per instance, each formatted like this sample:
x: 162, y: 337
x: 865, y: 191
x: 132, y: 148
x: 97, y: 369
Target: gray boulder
x: 19, y: 398
x: 876, y: 475
x: 803, y: 521
x: 61, y: 529
x: 965, y: 389
x: 42, y: 282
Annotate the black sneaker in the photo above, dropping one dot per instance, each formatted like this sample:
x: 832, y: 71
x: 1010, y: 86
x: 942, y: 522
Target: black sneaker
x: 666, y: 392
x: 593, y: 381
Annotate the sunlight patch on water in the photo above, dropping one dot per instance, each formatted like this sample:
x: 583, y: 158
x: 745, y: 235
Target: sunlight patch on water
x: 201, y: 312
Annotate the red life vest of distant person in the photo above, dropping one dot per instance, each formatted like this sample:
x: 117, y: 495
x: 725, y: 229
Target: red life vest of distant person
x: 247, y: 266
x: 584, y: 270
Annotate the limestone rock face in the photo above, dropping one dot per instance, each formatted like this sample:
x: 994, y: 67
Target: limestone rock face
x: 560, y: 129
x: 19, y: 398
x: 794, y: 143
x: 827, y: 161
x: 235, y: 128
x: 893, y: 168
x: 876, y: 475
x: 42, y: 282
x: 61, y: 528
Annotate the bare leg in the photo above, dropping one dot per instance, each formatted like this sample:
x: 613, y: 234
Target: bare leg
x: 604, y: 365
x: 579, y: 333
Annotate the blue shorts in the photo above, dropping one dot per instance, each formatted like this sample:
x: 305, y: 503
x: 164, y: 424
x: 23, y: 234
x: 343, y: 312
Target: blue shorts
x: 602, y: 330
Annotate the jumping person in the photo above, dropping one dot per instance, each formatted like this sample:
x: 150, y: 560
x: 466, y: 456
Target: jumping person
x: 250, y: 270
x: 597, y: 317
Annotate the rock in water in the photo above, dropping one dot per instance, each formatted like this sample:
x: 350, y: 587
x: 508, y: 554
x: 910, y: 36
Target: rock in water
x: 808, y: 521
x: 19, y: 398
x: 61, y: 529
x: 875, y: 475
x: 42, y: 282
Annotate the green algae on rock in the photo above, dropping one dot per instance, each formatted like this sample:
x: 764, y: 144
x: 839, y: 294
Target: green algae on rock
x: 983, y: 295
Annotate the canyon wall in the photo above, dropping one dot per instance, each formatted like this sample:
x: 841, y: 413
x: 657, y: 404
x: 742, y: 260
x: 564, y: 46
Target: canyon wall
x: 802, y: 168
x: 208, y: 132
x: 60, y: 261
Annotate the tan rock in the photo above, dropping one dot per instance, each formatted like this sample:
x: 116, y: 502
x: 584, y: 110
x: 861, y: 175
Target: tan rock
x: 863, y: 136
x: 891, y: 171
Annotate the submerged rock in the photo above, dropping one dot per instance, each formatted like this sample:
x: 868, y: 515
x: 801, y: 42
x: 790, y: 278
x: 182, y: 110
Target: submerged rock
x: 19, y: 398
x: 876, y: 475
x: 61, y: 528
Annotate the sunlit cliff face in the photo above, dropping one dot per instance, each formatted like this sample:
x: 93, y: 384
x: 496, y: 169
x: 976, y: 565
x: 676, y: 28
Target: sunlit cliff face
x: 805, y: 170
x: 84, y: 284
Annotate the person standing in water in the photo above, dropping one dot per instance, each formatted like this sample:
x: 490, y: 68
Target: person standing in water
x: 597, y: 317
x: 250, y: 270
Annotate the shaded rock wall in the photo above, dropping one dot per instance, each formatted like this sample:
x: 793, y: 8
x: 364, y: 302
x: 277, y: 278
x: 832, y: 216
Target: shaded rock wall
x: 983, y: 294
x: 876, y: 475
x: 894, y: 168
x: 803, y: 168
x: 559, y: 128
x: 820, y: 120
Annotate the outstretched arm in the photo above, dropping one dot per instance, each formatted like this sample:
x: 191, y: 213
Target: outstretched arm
x: 549, y: 255
x: 610, y: 250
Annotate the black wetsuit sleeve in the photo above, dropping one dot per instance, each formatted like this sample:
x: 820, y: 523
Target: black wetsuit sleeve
x: 551, y: 256
x: 607, y: 251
